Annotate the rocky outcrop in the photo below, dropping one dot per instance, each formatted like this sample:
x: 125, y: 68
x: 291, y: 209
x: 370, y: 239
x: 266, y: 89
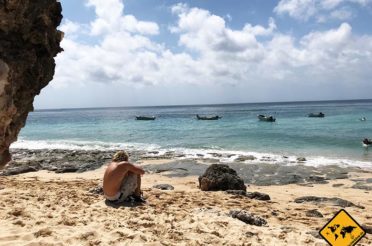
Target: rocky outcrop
x: 29, y: 41
x: 220, y: 177
x: 326, y: 200
x: 59, y: 161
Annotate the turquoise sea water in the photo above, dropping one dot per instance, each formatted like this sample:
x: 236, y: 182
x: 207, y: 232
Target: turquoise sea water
x: 333, y: 139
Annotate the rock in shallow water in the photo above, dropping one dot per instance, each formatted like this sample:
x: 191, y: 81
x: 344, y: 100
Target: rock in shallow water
x: 244, y: 158
x: 220, y: 177
x: 247, y: 218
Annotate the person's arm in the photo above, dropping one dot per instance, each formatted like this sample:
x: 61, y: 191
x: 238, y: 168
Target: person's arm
x: 126, y: 166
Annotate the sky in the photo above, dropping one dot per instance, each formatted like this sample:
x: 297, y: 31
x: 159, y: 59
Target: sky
x: 166, y: 52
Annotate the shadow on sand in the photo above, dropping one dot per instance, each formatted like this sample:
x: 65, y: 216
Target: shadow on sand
x: 127, y: 204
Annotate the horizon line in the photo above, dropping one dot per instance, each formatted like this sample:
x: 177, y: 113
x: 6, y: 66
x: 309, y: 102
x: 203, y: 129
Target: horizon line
x: 196, y: 105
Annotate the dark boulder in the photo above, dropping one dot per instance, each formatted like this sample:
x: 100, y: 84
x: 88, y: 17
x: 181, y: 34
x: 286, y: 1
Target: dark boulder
x: 220, y: 177
x: 301, y: 159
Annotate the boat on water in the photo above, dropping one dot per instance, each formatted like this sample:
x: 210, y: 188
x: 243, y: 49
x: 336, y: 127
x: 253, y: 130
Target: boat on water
x: 316, y: 115
x: 367, y: 142
x: 213, y: 117
x: 145, y: 117
x: 363, y: 119
x: 267, y: 118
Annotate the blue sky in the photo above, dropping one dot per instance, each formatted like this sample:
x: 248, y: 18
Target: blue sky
x: 166, y: 52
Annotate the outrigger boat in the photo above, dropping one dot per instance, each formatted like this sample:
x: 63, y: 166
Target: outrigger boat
x: 145, y: 117
x: 269, y: 118
x: 316, y: 115
x: 367, y: 142
x: 214, y: 117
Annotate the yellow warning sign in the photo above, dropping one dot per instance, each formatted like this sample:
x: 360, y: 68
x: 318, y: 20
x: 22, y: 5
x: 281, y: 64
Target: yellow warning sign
x: 342, y: 230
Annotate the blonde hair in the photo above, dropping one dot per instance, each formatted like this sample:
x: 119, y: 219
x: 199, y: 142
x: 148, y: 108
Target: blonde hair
x: 120, y: 156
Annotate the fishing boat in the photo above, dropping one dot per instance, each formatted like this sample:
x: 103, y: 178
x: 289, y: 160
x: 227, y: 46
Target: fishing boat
x: 213, y: 117
x: 363, y: 119
x: 316, y: 115
x: 367, y: 142
x: 145, y: 117
x: 267, y: 118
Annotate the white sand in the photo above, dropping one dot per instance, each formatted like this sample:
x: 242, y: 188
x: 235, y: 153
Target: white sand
x: 45, y: 208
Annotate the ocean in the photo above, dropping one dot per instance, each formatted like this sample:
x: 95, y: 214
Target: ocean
x: 335, y: 139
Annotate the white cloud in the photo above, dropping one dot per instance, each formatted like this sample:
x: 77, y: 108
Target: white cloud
x: 330, y: 4
x: 213, y: 53
x: 342, y: 14
x: 298, y: 9
x: 332, y: 39
x: 110, y: 19
x: 70, y: 27
x: 202, y: 31
x: 318, y: 9
x: 260, y: 30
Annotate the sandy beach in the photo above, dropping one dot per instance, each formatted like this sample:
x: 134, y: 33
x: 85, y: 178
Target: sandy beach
x: 251, y: 122
x: 46, y: 208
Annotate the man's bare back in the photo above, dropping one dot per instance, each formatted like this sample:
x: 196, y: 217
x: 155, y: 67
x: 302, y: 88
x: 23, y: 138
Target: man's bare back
x: 114, y: 175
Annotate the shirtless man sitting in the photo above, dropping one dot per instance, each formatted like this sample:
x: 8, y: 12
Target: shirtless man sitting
x: 122, y: 179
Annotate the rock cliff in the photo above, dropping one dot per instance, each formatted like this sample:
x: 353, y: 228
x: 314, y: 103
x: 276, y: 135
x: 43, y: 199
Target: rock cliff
x: 29, y: 41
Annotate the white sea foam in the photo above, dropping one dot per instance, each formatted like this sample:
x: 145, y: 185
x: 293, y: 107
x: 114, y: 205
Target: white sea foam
x: 185, y: 153
x: 79, y: 145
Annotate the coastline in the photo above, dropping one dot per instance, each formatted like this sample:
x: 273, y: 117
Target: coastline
x: 82, y: 157
x: 48, y: 208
